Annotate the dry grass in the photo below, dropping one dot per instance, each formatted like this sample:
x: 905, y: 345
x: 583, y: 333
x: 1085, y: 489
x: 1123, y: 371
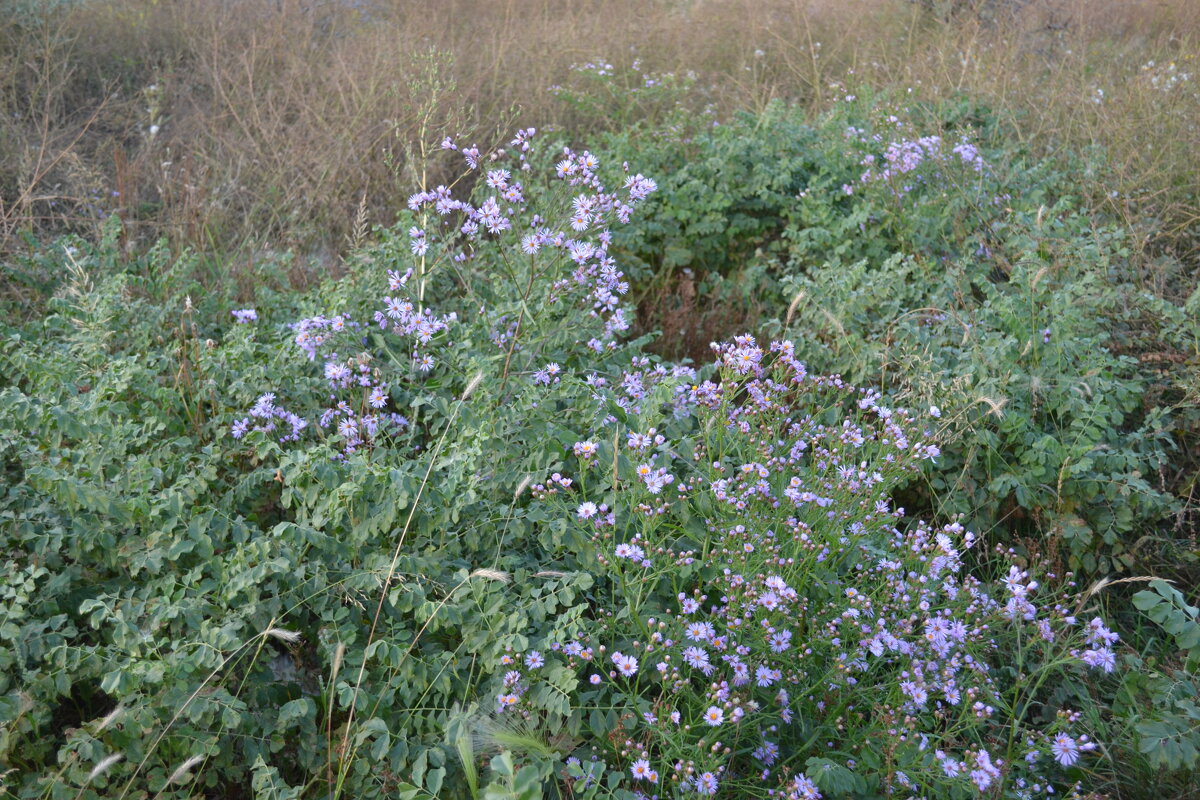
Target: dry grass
x: 293, y: 123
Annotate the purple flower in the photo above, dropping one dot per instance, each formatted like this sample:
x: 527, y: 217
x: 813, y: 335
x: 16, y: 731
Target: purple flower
x: 705, y: 783
x: 767, y: 752
x: 697, y: 658
x: 1065, y: 751
x: 245, y: 316
x: 630, y: 551
x: 547, y: 374
x: 804, y: 789
x: 348, y: 428
x: 765, y: 676
x: 640, y: 770
x: 498, y: 179
x: 1104, y: 658
x: 985, y: 772
x: 1097, y: 633
x: 626, y: 665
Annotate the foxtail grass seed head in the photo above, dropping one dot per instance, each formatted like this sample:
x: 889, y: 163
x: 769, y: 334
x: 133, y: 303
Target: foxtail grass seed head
x: 491, y: 575
x: 180, y: 775
x: 110, y: 718
x: 472, y: 385
x: 104, y: 766
x: 291, y: 637
x: 339, y: 655
x: 522, y: 486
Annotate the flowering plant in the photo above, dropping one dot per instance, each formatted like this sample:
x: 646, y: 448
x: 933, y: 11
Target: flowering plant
x: 761, y: 619
x: 534, y: 284
x: 771, y: 627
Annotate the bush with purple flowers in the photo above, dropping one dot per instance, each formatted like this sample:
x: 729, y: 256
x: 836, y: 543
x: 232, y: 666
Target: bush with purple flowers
x: 444, y: 526
x: 770, y: 625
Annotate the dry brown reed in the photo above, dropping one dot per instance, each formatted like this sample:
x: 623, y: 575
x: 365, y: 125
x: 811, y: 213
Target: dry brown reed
x: 287, y: 123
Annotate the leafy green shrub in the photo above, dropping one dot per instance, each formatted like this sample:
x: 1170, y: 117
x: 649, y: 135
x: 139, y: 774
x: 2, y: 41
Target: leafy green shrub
x: 908, y: 244
x: 1049, y: 431
x: 296, y: 550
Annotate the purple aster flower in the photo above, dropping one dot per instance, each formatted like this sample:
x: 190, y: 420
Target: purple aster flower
x: 697, y: 658
x: 626, y: 665
x: 985, y: 772
x: 804, y: 789
x: 767, y: 752
x: 1104, y: 658
x: 1065, y: 751
x: 765, y: 676
x: 705, y: 783
x: 348, y: 428
x: 640, y: 770
x: 630, y: 551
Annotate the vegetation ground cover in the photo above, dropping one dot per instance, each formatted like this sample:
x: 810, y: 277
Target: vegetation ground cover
x: 804, y: 420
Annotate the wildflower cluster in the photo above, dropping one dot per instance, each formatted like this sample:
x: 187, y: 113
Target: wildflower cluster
x: 1164, y: 77
x: 566, y: 261
x: 769, y: 608
x: 900, y: 164
x: 357, y: 412
x: 265, y: 415
x: 578, y: 241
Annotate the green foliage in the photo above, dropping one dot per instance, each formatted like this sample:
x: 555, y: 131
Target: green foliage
x: 305, y: 619
x: 1166, y: 606
x: 1158, y: 701
x: 979, y: 291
